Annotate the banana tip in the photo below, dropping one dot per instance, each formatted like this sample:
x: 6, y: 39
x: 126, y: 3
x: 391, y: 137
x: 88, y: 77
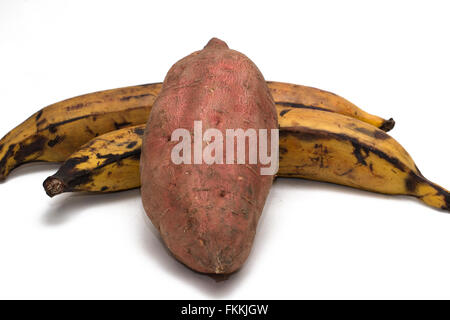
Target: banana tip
x: 388, y: 125
x: 53, y: 186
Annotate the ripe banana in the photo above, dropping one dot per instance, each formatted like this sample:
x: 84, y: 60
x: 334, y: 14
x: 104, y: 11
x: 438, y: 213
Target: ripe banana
x: 314, y: 145
x: 56, y: 131
x: 338, y: 149
x: 298, y: 96
x: 105, y: 164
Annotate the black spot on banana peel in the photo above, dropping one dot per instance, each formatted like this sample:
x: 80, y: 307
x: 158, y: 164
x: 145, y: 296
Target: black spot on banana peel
x: 30, y: 148
x: 82, y: 118
x: 139, y: 131
x: 53, y: 127
x: 131, y: 145
x: 301, y: 106
x: 358, y: 152
x: 134, y: 97
x: 120, y: 125
x: 75, y: 107
x: 39, y: 115
x: 378, y: 134
x: 411, y: 182
x: 54, y: 142
x: 283, y: 112
x: 19, y: 153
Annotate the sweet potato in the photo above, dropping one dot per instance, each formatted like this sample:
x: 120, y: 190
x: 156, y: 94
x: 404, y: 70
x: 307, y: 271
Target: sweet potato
x: 207, y: 214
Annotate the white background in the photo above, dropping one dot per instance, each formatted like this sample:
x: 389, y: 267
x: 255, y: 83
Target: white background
x: 314, y: 240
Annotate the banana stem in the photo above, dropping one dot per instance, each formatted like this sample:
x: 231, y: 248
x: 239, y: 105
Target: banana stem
x: 53, y: 186
x: 388, y: 125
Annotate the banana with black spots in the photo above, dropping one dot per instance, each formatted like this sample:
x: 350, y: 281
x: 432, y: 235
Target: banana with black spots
x: 56, y: 131
x: 328, y: 147
x: 107, y: 163
x: 303, y: 97
x: 314, y: 145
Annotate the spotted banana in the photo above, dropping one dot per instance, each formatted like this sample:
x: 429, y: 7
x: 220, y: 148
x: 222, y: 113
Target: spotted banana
x: 313, y: 145
x: 56, y: 131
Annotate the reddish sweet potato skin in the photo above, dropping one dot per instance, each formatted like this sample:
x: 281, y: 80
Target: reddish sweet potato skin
x: 207, y: 215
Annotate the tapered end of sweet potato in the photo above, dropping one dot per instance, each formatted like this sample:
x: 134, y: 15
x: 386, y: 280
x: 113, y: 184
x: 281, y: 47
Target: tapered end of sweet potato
x: 208, y: 258
x: 215, y: 43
